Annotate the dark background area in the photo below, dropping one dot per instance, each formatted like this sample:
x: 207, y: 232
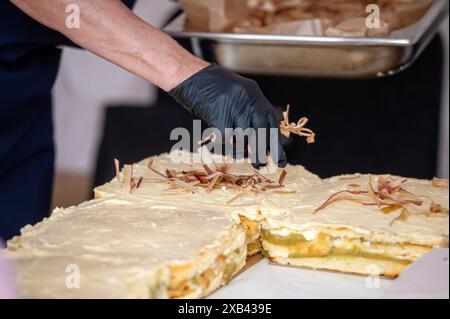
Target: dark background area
x: 380, y: 125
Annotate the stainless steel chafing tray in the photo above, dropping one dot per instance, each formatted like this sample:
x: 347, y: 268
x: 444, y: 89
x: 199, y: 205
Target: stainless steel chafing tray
x: 315, y: 56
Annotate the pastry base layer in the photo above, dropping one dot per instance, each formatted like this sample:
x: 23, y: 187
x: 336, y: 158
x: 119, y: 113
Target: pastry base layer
x: 347, y: 264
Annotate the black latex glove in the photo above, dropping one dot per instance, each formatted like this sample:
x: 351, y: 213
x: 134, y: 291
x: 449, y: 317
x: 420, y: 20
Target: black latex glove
x: 224, y: 99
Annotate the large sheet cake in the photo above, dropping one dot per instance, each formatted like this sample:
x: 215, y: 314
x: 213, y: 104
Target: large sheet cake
x: 155, y: 238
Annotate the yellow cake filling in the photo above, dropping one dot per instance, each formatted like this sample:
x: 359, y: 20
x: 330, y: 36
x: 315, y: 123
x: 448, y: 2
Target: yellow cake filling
x: 253, y: 248
x: 253, y: 233
x: 324, y: 245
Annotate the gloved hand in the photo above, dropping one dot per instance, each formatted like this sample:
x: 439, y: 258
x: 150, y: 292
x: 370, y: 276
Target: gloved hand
x: 224, y: 99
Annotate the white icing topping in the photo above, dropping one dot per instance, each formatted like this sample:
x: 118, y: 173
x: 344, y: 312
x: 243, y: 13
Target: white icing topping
x: 154, y: 188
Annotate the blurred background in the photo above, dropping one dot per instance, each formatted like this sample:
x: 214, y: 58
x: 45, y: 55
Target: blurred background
x: 396, y: 124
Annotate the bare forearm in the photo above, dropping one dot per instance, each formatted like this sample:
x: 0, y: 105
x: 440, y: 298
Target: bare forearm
x: 109, y: 29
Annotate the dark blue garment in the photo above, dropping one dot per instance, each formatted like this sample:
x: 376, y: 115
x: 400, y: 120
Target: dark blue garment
x: 29, y: 63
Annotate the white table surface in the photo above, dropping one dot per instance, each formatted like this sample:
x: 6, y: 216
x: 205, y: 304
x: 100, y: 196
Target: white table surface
x: 266, y: 281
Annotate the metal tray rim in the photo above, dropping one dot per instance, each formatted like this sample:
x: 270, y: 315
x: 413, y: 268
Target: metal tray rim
x: 402, y: 38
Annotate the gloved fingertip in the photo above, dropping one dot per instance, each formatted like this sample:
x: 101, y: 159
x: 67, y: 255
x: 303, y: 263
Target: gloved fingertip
x: 282, y: 164
x: 257, y: 164
x: 281, y: 159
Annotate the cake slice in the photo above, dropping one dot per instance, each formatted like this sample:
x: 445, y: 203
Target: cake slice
x: 124, y: 247
x: 360, y: 224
